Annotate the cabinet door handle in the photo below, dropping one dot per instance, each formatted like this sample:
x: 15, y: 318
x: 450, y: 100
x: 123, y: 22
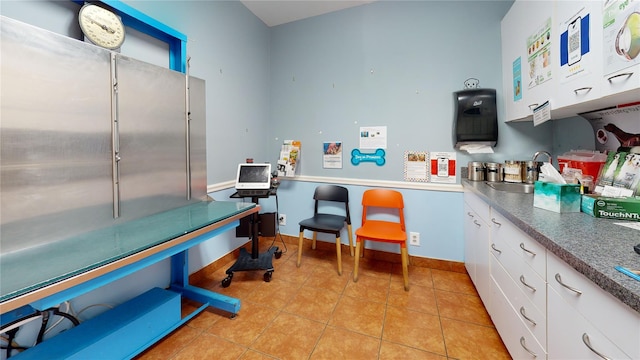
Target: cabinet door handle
x: 585, y: 340
x: 493, y: 220
x: 533, y: 106
x: 527, y: 250
x: 469, y: 214
x: 585, y: 89
x: 524, y: 315
x: 628, y: 75
x: 493, y: 246
x: 522, y: 280
x: 524, y: 346
x: 477, y: 223
x: 559, y: 280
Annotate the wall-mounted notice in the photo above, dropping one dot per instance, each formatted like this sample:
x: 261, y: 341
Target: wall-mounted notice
x: 539, y: 54
x: 416, y: 166
x: 373, y: 137
x: 517, y: 79
x: 443, y: 167
x: 332, y: 155
x: 289, y: 157
x: 621, y: 41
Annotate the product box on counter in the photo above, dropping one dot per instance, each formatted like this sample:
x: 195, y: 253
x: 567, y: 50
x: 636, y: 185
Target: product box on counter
x: 561, y: 198
x: 611, y: 208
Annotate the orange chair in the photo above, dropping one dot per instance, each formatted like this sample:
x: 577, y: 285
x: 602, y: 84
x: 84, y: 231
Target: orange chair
x: 380, y: 230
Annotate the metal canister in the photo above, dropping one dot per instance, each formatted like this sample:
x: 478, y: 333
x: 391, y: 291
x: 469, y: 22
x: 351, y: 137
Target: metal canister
x: 513, y: 171
x: 494, y: 172
x: 530, y: 171
x: 476, y: 171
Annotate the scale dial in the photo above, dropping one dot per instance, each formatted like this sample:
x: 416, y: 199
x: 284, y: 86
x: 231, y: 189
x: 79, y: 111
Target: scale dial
x: 101, y: 26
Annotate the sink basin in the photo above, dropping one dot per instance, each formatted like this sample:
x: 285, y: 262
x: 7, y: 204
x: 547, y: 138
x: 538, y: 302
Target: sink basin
x: 512, y: 187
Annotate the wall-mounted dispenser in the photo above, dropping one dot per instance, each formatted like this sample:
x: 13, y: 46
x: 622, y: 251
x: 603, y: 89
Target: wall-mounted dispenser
x: 476, y: 118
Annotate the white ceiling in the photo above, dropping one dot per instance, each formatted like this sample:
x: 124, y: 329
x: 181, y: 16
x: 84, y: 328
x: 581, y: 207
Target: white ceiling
x: 275, y: 13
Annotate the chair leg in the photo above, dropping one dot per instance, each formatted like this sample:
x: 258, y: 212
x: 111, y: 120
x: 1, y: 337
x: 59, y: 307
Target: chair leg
x: 300, y: 238
x: 357, y: 256
x: 315, y: 236
x: 405, y: 266
x: 350, y: 239
x: 339, y: 254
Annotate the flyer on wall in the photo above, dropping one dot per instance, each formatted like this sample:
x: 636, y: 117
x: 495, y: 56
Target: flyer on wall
x: 621, y: 35
x: 443, y: 167
x: 576, y: 59
x: 416, y: 166
x: 373, y: 137
x: 332, y: 155
x: 539, y: 54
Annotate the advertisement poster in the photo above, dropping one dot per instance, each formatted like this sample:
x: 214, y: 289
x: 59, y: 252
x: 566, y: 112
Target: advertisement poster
x: 289, y: 157
x: 539, y: 55
x: 517, y: 79
x: 373, y: 137
x: 332, y: 155
x: 575, y: 57
x: 443, y: 167
x: 416, y: 167
x: 621, y: 38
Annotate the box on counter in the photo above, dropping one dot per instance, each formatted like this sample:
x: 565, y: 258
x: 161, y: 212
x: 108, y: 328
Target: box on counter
x: 611, y: 208
x: 560, y: 198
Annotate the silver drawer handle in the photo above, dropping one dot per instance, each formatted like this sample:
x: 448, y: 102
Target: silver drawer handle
x: 628, y: 75
x: 559, y: 280
x: 469, y: 214
x: 585, y: 340
x: 477, y: 223
x: 493, y: 246
x: 524, y: 346
x: 524, y: 315
x: 533, y: 106
x: 583, y: 89
x: 527, y: 250
x: 525, y: 283
x: 493, y: 220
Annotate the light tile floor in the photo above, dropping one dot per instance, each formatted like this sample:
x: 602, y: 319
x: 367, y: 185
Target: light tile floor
x: 313, y: 313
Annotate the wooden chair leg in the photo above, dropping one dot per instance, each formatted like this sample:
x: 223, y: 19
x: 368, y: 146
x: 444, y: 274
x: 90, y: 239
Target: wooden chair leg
x: 300, y: 238
x: 315, y: 236
x: 405, y: 266
x: 350, y: 239
x: 339, y: 254
x: 357, y: 256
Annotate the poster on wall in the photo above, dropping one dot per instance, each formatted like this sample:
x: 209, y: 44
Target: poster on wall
x: 443, y: 167
x: 621, y: 34
x: 373, y: 137
x: 332, y: 155
x: 517, y: 79
x: 615, y: 127
x: 576, y: 60
x: 416, y: 166
x: 289, y: 157
x: 539, y: 54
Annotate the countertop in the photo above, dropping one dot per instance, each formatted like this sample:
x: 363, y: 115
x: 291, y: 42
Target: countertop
x: 590, y: 245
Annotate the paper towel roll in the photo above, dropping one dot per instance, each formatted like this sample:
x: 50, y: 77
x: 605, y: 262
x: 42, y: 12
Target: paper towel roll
x: 477, y: 148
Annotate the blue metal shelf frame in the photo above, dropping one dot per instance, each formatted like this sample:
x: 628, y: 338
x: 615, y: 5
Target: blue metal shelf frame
x: 137, y: 20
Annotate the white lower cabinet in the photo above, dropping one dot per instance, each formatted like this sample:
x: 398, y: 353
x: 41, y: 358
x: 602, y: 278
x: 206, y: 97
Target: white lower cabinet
x: 476, y: 253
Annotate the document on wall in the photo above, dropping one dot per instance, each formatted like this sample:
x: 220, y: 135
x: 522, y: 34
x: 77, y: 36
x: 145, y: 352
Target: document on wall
x: 373, y: 137
x: 332, y: 155
x: 416, y: 167
x: 289, y: 157
x: 443, y: 167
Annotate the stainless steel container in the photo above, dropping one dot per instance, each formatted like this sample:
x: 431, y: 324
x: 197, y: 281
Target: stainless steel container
x: 513, y: 171
x: 494, y: 172
x: 476, y: 171
x: 530, y: 171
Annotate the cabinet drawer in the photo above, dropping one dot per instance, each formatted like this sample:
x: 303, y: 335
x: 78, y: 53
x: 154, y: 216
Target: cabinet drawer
x: 518, y: 340
x: 571, y: 336
x: 617, y: 321
x: 529, y: 250
x: 477, y: 205
x: 532, y: 318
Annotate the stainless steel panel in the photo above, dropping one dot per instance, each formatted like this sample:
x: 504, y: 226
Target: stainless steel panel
x: 55, y: 136
x: 198, y: 136
x: 151, y: 113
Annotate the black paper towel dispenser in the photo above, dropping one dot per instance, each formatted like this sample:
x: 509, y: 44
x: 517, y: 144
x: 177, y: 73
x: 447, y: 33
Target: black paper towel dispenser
x: 476, y: 117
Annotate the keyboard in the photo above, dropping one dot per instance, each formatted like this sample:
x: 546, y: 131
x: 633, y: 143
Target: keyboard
x: 254, y: 192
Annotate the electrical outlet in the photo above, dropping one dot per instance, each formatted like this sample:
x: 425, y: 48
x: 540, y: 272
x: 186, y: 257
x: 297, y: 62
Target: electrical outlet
x: 414, y: 238
x: 282, y: 219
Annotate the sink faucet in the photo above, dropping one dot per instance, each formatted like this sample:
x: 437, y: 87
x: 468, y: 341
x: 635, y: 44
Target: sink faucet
x: 538, y: 153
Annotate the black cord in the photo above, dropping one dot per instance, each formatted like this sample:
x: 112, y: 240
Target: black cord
x: 43, y: 326
x: 56, y: 311
x: 12, y: 335
x: 278, y: 226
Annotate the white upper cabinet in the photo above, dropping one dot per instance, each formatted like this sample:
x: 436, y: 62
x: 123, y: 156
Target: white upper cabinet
x: 578, y: 55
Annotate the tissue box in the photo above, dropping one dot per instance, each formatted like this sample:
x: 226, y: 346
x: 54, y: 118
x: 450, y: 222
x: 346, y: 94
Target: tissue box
x: 611, y: 208
x: 556, y: 197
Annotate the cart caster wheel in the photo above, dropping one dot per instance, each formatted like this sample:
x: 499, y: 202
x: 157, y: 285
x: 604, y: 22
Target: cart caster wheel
x: 278, y: 254
x: 267, y: 276
x: 227, y: 281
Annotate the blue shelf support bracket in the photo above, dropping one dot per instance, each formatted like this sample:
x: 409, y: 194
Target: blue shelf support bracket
x: 137, y: 20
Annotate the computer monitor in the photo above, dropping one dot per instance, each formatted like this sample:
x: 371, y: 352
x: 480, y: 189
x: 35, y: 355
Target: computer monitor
x: 253, y: 176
